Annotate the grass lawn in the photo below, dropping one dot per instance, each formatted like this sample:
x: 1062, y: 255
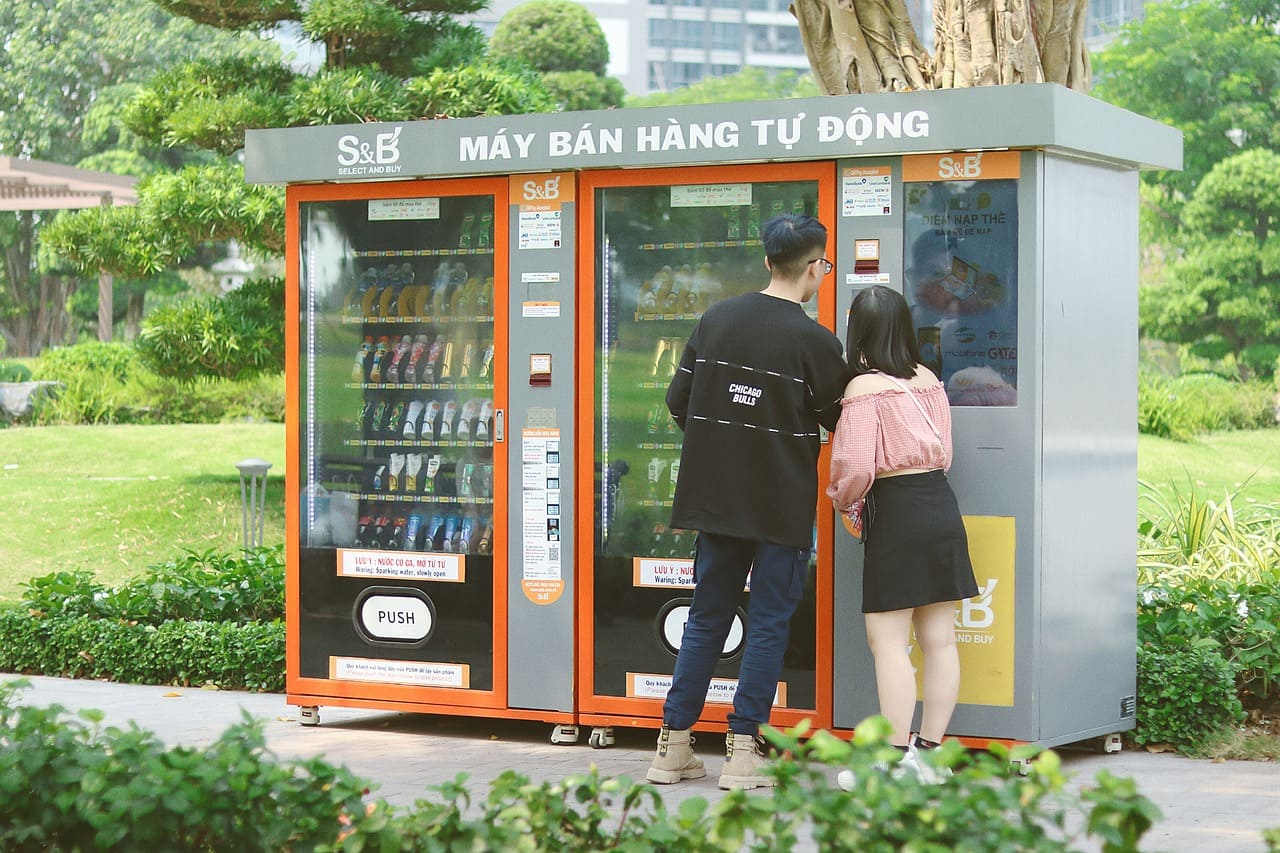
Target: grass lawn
x: 1216, y: 463
x: 116, y: 499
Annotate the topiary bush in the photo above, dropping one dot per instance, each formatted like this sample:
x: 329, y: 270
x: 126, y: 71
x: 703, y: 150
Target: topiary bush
x: 1186, y: 692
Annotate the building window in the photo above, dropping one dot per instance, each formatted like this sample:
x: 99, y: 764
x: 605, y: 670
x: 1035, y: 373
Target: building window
x: 726, y: 36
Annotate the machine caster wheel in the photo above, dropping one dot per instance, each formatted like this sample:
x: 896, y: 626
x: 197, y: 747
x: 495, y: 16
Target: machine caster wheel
x: 600, y: 737
x: 309, y: 715
x: 563, y: 733
x: 1021, y: 766
x: 1112, y: 743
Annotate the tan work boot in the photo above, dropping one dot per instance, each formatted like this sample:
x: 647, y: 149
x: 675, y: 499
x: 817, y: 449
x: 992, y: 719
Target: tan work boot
x: 675, y: 759
x: 743, y: 764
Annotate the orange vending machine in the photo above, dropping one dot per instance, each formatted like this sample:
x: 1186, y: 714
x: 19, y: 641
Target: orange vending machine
x: 657, y: 247
x: 396, y: 579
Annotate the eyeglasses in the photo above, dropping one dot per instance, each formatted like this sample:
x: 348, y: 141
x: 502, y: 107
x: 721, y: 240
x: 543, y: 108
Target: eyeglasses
x: 827, y: 266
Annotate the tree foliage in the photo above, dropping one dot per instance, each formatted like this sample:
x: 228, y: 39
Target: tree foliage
x: 552, y: 35
x: 564, y: 41
x: 1208, y: 67
x: 1205, y: 67
x: 66, y: 68
x: 749, y: 84
x: 1223, y: 296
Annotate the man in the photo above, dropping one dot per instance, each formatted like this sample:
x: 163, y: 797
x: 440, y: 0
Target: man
x: 756, y: 379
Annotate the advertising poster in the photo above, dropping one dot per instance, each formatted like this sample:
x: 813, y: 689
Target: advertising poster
x: 985, y: 634
x: 961, y: 270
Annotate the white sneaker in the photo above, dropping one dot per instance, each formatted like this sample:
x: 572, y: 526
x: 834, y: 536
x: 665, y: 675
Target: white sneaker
x: 846, y: 780
x: 925, y: 772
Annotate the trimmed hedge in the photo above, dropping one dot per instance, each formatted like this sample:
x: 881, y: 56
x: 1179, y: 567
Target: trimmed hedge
x: 230, y: 655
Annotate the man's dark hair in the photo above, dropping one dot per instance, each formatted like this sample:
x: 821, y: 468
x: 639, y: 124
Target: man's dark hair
x: 791, y: 241
x: 881, y: 336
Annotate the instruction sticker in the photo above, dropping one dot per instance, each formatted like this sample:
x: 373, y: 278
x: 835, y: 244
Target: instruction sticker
x: 644, y: 685
x: 420, y: 673
x: 403, y: 565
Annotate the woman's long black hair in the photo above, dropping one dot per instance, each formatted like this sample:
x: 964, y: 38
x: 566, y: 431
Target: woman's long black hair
x: 881, y: 335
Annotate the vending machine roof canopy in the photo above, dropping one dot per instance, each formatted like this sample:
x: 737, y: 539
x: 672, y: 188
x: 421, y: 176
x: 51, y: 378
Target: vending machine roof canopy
x: 1030, y: 116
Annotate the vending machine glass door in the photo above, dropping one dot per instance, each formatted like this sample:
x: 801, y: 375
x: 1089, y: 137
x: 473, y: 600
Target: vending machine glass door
x: 397, y: 389
x: 665, y: 246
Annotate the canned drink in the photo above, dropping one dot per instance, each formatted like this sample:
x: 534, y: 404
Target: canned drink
x: 929, y: 339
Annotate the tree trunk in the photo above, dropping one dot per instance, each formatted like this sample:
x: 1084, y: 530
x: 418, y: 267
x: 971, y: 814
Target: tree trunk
x: 133, y: 315
x: 862, y: 46
x: 40, y: 318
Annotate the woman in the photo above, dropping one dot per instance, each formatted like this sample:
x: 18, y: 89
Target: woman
x: 893, y: 448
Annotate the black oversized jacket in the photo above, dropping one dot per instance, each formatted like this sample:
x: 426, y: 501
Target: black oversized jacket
x: 757, y: 378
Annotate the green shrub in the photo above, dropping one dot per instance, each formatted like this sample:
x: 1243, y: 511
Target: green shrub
x: 145, y: 398
x: 226, y: 654
x: 68, y: 784
x: 66, y: 364
x: 14, y: 372
x: 1185, y: 693
x: 1184, y: 406
x: 986, y: 805
x: 209, y: 587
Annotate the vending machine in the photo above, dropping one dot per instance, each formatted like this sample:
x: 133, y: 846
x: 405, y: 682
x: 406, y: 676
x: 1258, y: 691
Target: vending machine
x: 659, y: 247
x: 397, y: 397
x: 483, y: 318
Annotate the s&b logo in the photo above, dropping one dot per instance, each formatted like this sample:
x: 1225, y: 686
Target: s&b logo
x: 383, y: 151
x: 547, y: 190
x: 960, y: 168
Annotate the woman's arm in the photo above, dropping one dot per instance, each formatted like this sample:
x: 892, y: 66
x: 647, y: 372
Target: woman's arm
x: 853, y: 452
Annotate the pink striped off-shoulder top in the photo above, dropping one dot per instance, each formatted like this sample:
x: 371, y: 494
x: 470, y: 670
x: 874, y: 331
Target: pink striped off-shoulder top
x: 882, y: 432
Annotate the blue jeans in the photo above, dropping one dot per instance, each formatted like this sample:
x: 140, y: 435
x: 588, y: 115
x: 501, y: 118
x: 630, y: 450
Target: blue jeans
x: 777, y: 584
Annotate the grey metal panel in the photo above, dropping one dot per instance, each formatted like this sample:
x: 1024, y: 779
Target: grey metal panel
x: 540, y: 653
x: 826, y: 128
x: 995, y: 472
x: 1087, y: 617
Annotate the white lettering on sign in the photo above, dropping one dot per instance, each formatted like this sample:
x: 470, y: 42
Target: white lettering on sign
x: 587, y: 141
x: 862, y: 125
x: 395, y: 617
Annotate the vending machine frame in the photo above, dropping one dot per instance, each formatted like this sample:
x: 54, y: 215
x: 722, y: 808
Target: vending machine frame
x: 601, y: 710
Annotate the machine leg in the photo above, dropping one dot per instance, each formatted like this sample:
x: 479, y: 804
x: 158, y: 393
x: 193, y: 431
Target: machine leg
x: 1112, y: 743
x: 309, y: 715
x: 600, y: 737
x: 563, y: 733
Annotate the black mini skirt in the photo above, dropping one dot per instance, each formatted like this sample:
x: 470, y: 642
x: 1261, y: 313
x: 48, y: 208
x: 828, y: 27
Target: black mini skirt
x: 917, y: 552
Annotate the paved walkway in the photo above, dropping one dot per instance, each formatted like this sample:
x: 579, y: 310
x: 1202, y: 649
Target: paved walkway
x: 1209, y: 807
